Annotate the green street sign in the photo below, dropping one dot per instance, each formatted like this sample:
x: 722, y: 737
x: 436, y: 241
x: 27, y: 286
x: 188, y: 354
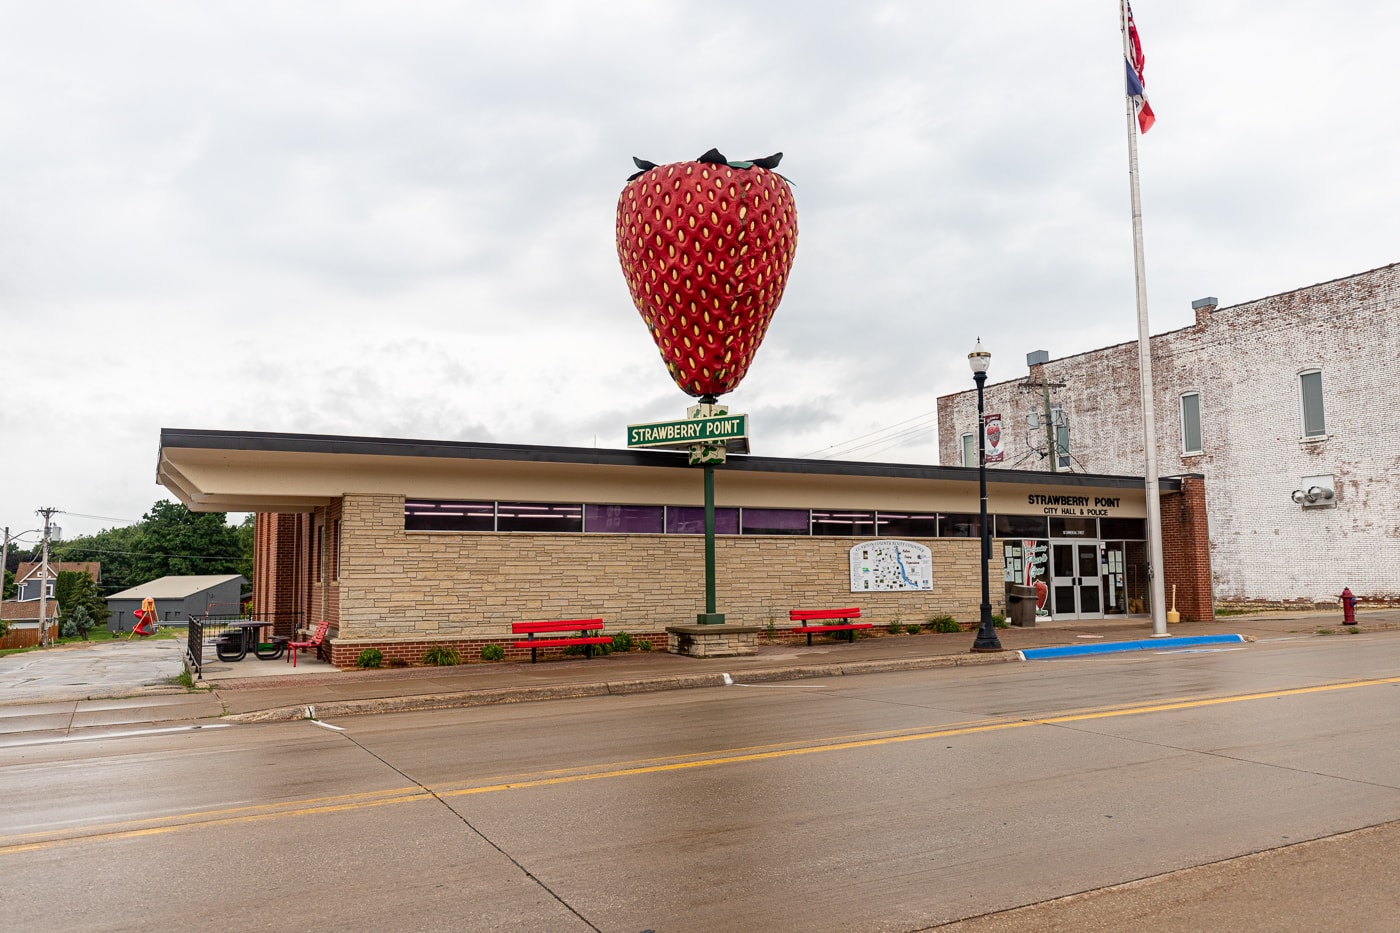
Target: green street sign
x: 731, y: 431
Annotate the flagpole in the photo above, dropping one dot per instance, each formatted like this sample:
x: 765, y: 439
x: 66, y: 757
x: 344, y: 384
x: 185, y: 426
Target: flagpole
x: 1157, y: 587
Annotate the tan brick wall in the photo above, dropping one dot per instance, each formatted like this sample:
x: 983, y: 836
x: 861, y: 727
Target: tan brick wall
x: 397, y: 585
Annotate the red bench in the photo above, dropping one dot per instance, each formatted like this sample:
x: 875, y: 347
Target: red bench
x: 531, y: 629
x: 819, y: 615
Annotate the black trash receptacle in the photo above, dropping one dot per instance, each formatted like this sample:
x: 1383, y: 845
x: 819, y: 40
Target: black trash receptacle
x: 1020, y: 605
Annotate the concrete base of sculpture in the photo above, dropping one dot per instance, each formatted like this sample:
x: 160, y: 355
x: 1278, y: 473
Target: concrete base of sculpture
x: 712, y: 641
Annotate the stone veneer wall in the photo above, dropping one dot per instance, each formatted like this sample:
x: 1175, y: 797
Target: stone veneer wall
x: 402, y: 592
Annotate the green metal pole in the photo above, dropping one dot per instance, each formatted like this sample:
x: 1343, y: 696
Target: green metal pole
x: 709, y: 540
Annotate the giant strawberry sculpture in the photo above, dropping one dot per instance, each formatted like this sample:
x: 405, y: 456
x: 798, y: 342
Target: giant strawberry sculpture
x: 706, y: 247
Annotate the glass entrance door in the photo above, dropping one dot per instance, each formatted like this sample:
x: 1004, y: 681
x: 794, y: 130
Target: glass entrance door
x: 1075, y: 581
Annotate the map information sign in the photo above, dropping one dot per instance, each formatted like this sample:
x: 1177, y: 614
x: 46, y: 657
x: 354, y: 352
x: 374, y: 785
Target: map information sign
x: 891, y: 565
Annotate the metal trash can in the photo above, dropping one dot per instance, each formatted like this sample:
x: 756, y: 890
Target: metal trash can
x: 1020, y: 605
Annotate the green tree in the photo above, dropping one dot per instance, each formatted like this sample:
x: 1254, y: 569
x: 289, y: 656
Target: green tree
x: 7, y: 590
x: 246, y: 530
x: 169, y: 541
x: 78, y: 622
x: 74, y: 591
x: 178, y: 542
x: 119, y: 551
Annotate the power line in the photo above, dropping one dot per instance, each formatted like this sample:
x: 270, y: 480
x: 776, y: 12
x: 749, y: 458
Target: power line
x: 879, y: 435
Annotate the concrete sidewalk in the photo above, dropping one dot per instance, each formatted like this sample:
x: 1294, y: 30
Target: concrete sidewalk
x: 279, y: 692
x: 351, y: 692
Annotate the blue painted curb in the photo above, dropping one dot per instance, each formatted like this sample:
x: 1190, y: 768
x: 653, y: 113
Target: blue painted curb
x: 1109, y: 647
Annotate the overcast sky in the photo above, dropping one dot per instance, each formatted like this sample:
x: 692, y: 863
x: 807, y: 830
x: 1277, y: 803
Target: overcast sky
x: 396, y: 219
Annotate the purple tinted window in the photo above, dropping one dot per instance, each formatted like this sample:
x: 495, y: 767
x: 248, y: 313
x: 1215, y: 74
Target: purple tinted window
x: 689, y: 520
x: 776, y: 522
x: 624, y: 519
x: 908, y: 524
x: 843, y: 523
x: 528, y: 516
x: 449, y: 516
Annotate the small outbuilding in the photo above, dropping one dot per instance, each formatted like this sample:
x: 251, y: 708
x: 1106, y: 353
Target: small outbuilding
x: 178, y: 599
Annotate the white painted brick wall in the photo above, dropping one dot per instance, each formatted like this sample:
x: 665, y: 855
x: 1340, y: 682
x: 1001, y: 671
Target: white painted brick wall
x: 1244, y: 360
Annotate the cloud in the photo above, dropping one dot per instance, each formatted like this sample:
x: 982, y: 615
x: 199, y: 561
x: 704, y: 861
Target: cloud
x: 397, y: 219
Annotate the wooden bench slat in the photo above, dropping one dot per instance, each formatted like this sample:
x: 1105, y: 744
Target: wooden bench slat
x: 563, y: 625
x: 798, y: 615
x: 557, y: 642
x: 832, y: 628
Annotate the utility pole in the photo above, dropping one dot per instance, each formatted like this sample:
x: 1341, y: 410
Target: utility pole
x: 4, y: 559
x: 1040, y: 358
x: 44, y: 578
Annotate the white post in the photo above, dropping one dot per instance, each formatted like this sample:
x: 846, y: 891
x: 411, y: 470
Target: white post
x: 1157, y: 589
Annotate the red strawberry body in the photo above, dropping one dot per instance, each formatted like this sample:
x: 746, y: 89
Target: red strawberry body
x: 706, y: 248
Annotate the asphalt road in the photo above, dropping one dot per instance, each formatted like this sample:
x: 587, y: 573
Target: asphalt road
x: 881, y: 802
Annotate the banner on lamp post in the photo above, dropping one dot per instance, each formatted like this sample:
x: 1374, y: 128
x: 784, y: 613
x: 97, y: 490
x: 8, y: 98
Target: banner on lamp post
x: 991, y: 425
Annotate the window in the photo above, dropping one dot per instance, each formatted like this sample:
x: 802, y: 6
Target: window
x: 625, y: 519
x: 1191, y: 422
x: 527, y: 516
x: 969, y: 450
x: 960, y: 526
x: 1131, y: 529
x: 907, y: 524
x: 775, y: 522
x: 690, y: 520
x: 1310, y: 387
x: 449, y: 516
x: 1019, y: 526
x: 843, y: 523
x: 1074, y: 527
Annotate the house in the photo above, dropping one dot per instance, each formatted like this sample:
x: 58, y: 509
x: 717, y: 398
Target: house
x: 29, y: 575
x: 403, y: 545
x: 178, y: 599
x: 22, y: 622
x: 1288, y: 409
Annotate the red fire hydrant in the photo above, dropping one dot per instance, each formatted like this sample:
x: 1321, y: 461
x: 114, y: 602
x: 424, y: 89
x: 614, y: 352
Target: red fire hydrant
x: 1348, y: 607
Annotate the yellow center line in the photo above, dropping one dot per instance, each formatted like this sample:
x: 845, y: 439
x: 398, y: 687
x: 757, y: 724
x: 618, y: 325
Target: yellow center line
x: 348, y: 802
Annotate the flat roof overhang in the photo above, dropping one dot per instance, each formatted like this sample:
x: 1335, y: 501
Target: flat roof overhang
x: 236, y: 471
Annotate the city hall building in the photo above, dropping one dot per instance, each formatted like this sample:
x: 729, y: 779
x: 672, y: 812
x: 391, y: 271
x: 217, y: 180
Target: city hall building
x: 407, y: 544
x: 1288, y: 406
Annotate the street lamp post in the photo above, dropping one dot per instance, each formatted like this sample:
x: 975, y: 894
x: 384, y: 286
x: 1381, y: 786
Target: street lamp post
x: 979, y: 359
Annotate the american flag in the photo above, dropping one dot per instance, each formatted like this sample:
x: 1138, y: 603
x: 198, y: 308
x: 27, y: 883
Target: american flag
x: 1134, y: 62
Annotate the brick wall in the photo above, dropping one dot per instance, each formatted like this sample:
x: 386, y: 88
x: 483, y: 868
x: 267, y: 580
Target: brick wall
x: 1186, y: 550
x: 402, y: 592
x: 1244, y: 361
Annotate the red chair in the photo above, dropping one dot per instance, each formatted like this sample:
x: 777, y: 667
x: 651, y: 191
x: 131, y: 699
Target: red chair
x: 313, y: 642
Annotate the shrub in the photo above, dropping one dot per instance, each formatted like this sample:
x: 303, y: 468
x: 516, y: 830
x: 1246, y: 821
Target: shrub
x: 574, y: 650
x: 998, y: 621
x: 895, y: 627
x: 943, y: 624
x: 912, y: 628
x: 370, y: 657
x: 442, y: 656
x: 644, y: 644
x: 493, y: 653
x: 397, y: 662
x: 622, y: 642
